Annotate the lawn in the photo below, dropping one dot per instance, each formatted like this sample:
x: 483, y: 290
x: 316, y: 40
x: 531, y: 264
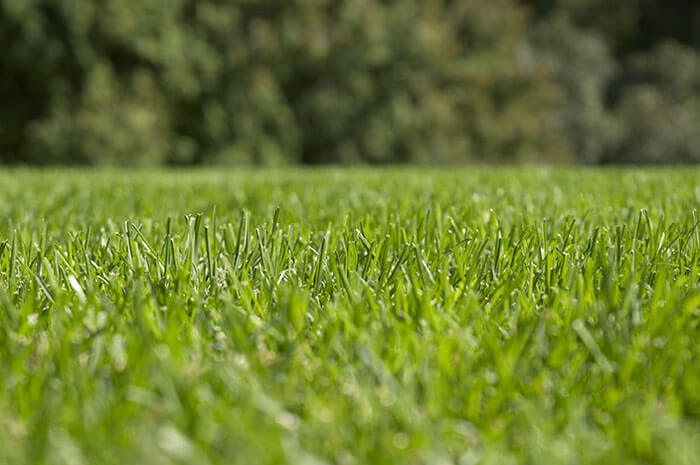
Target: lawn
x: 404, y: 316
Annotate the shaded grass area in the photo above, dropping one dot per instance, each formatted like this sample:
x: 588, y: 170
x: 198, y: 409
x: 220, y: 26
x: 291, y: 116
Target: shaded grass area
x: 474, y: 316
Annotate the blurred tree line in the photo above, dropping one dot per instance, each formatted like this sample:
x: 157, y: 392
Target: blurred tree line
x: 186, y: 82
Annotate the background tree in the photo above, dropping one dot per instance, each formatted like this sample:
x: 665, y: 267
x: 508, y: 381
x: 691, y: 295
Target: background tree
x: 346, y: 81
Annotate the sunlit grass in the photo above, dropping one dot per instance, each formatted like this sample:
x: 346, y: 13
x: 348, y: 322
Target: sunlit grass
x: 392, y: 316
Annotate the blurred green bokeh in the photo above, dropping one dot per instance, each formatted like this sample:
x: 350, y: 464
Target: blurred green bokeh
x: 267, y: 82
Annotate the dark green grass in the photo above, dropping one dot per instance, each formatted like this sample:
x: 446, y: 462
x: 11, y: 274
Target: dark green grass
x: 392, y: 316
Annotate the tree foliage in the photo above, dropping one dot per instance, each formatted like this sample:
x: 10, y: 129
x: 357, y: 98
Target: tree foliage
x: 350, y: 81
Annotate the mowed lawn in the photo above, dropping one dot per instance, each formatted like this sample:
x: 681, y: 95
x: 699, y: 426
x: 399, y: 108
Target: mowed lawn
x: 405, y: 316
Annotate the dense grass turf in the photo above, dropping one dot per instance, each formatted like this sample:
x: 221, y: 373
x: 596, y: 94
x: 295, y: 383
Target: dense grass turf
x: 472, y: 317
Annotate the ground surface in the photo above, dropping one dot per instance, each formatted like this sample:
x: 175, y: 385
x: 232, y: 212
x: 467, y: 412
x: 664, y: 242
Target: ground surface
x: 393, y: 316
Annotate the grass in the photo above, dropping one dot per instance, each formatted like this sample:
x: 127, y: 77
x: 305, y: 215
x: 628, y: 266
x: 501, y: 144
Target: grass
x: 475, y: 316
